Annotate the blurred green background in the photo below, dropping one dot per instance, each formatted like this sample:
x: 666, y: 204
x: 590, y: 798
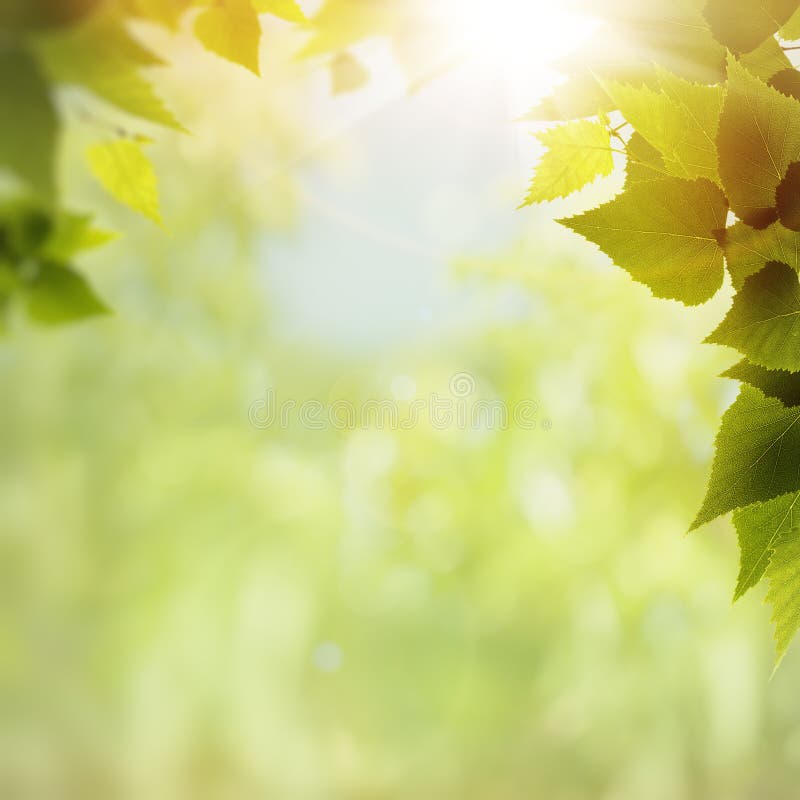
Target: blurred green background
x: 193, y: 607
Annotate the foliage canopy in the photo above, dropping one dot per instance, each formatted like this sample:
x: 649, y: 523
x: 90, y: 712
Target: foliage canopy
x: 708, y: 122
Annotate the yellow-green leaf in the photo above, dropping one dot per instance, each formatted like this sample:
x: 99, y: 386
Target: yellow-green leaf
x: 231, y: 29
x: 58, y: 295
x: 665, y: 234
x: 575, y: 154
x: 764, y: 321
x: 285, y: 9
x: 128, y: 175
x: 783, y: 574
x: 759, y: 528
x: 680, y: 120
x: 748, y: 250
x: 108, y: 65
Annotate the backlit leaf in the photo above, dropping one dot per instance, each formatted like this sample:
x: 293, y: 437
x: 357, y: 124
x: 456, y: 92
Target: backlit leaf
x: 86, y: 57
x: 764, y: 322
x: 285, y: 9
x: 767, y: 60
x: 748, y: 250
x: 665, y: 234
x: 231, y: 29
x: 742, y: 25
x: 575, y: 154
x: 680, y: 119
x: 784, y: 590
x: 778, y: 383
x: 127, y: 174
x: 759, y: 136
x: 756, y: 455
x: 645, y: 163
x: 759, y: 528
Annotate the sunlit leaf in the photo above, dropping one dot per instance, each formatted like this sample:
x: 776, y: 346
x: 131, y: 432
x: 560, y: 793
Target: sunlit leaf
x: 759, y: 529
x: 755, y: 457
x: 575, y: 155
x: 742, y: 25
x: 747, y: 250
x: 285, y: 9
x: 783, y: 574
x: 759, y: 136
x: 778, y: 383
x: 665, y: 234
x: 767, y: 60
x: 112, y: 71
x: 127, y: 174
x: 644, y: 163
x: 764, y: 322
x: 231, y: 29
x: 680, y: 120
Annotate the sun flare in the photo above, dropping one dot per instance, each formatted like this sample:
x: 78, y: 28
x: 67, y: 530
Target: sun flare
x: 518, y: 37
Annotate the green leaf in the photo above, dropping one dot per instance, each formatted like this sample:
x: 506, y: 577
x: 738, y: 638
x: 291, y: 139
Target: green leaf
x: 742, y: 25
x: 73, y: 234
x: 24, y: 230
x: 285, y: 9
x: 759, y: 136
x: 748, y: 250
x: 756, y: 455
x: 645, y: 164
x: 59, y: 295
x: 783, y: 595
x: 128, y: 175
x: 231, y: 29
x: 778, y: 383
x: 87, y: 57
x: 27, y: 15
x: 665, y: 234
x: 759, y: 528
x: 764, y: 321
x: 680, y: 120
x: 28, y: 122
x: 576, y: 154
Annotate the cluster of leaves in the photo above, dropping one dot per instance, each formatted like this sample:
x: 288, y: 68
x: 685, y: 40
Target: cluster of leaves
x: 701, y: 99
x: 48, y: 46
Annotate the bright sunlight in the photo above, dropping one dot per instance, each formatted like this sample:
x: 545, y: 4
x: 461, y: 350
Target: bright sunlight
x: 518, y: 35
